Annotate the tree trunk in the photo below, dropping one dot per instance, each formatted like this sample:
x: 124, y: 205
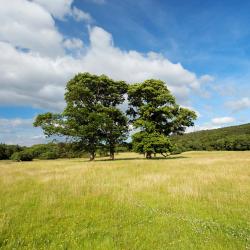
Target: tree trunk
x: 91, y: 156
x: 112, y: 156
x: 112, y: 152
x: 148, y: 155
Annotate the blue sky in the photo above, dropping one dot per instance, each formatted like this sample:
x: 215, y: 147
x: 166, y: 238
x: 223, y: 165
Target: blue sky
x: 200, y: 49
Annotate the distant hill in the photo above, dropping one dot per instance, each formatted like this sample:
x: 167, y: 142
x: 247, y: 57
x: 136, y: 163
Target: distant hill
x: 228, y: 138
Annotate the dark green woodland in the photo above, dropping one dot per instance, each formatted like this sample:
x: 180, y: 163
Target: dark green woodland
x: 234, y: 138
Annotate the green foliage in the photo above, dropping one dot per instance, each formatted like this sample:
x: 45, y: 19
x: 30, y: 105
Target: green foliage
x: 25, y: 155
x: 56, y: 150
x: 51, y: 155
x: 229, y: 138
x: 70, y: 150
x: 124, y: 147
x: 59, y: 150
x: 151, y: 143
x: 91, y: 116
x: 7, y: 150
x: 39, y: 149
x: 52, y: 124
x: 154, y: 111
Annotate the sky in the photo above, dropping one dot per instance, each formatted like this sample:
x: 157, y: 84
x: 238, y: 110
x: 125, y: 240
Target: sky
x: 201, y: 49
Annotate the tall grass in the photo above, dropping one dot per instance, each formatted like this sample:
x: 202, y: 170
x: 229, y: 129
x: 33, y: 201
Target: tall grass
x: 196, y: 200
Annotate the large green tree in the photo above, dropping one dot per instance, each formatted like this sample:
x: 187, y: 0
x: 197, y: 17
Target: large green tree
x: 91, y: 116
x: 155, y: 113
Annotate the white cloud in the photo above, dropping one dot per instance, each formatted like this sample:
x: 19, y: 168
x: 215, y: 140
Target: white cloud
x: 29, y: 79
x: 239, y: 105
x: 14, y: 122
x: 206, y: 78
x: 222, y: 120
x: 20, y: 131
x: 30, y: 25
x: 27, y: 25
x: 216, y: 122
x: 33, y: 79
x: 34, y: 65
x: 193, y: 109
x: 61, y: 9
x: 104, y: 57
x: 73, y: 43
x: 80, y: 15
x: 206, y: 126
x: 58, y: 8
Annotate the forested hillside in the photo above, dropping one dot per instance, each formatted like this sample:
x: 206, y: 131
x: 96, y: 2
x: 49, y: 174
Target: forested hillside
x: 229, y: 138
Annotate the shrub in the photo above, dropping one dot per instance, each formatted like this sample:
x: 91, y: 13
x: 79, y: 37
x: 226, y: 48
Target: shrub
x: 49, y: 155
x: 22, y: 156
x: 7, y: 150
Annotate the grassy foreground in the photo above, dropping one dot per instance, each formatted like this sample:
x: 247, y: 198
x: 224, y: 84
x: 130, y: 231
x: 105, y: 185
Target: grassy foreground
x: 196, y: 200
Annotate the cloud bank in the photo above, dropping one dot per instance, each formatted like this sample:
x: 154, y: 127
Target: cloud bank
x: 20, y: 131
x: 37, y: 61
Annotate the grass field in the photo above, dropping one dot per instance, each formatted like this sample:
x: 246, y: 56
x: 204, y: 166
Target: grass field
x: 196, y: 200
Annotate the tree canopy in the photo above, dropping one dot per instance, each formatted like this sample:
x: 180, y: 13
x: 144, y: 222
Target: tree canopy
x: 155, y: 113
x: 91, y: 116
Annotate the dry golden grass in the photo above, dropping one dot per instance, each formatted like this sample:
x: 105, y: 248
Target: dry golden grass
x: 196, y: 200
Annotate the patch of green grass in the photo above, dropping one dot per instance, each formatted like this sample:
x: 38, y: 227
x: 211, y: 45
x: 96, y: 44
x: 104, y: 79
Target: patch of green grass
x: 196, y: 200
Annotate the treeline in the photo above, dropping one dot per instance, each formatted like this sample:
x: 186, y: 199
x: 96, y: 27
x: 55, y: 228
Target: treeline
x: 234, y: 138
x: 53, y: 151
x: 6, y: 151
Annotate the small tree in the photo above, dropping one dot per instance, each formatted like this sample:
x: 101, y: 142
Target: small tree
x: 91, y: 116
x: 24, y: 155
x: 151, y: 143
x: 154, y: 111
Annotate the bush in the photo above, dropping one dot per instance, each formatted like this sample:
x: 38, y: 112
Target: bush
x: 7, y: 150
x: 176, y: 150
x: 22, y: 156
x: 48, y: 155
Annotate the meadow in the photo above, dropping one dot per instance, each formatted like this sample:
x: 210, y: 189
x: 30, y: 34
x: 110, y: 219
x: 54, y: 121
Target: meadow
x: 195, y: 200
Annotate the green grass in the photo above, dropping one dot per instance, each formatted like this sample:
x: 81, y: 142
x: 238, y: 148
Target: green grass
x: 196, y: 200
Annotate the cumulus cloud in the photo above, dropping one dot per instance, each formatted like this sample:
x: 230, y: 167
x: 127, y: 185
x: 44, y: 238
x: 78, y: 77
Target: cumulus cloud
x: 58, y: 8
x: 20, y: 131
x: 34, y: 79
x: 73, y: 43
x: 205, y: 126
x: 80, y: 15
x: 214, y: 123
x: 198, y: 114
x: 222, y: 120
x: 29, y: 79
x: 132, y: 66
x: 61, y: 9
x: 27, y: 25
x: 239, y: 105
x: 16, y: 122
x: 35, y: 66
x: 37, y: 61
